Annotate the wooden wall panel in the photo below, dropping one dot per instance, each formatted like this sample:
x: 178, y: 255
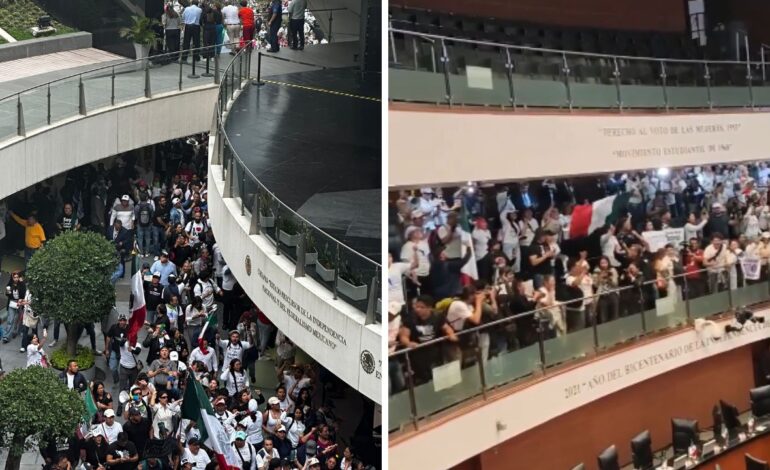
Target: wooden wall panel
x: 649, y: 15
x: 581, y: 434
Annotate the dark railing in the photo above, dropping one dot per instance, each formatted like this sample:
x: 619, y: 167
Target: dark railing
x: 439, y: 69
x: 418, y: 397
x: 349, y: 275
x: 118, y: 83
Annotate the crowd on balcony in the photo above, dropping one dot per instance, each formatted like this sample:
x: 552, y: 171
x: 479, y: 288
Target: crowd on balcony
x: 464, y: 257
x: 153, y: 206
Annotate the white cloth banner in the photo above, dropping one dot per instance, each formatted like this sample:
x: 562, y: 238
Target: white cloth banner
x: 660, y: 238
x: 675, y: 236
x: 751, y: 267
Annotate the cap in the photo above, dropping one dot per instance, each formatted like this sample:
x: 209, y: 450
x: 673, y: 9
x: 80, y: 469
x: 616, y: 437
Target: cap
x: 311, y: 447
x: 164, y: 253
x: 394, y: 307
x: 426, y: 190
x: 122, y: 316
x: 172, y: 276
x: 133, y: 387
x: 133, y: 411
x: 193, y: 440
x: 234, y: 331
x: 175, y: 201
x: 313, y: 461
x: 281, y: 428
x: 220, y: 401
x: 240, y: 435
x: 174, y: 356
x: 184, y: 459
x: 109, y: 414
x: 273, y: 401
x: 125, y: 198
x: 156, y: 274
x: 253, y: 405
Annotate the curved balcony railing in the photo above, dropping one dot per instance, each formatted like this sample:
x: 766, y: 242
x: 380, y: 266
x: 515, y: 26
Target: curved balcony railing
x: 431, y: 68
x: 111, y: 85
x: 349, y: 275
x: 645, y: 314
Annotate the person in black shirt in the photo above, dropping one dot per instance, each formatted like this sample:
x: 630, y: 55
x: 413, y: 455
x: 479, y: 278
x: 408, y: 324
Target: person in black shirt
x: 137, y: 429
x: 153, y: 296
x: 422, y: 326
x: 541, y: 258
x: 96, y: 448
x: 122, y: 454
x: 160, y: 224
x: 181, y: 251
x: 68, y: 221
x: 116, y: 336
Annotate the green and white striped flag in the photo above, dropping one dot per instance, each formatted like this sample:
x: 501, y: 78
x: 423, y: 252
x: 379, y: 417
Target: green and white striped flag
x: 196, y: 407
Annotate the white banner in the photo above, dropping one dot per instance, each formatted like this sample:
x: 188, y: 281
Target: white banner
x: 660, y: 238
x: 751, y: 266
x: 675, y: 236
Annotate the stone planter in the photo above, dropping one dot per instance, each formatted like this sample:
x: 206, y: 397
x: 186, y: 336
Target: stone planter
x: 311, y: 258
x: 266, y: 221
x: 288, y: 239
x: 351, y: 291
x: 326, y: 274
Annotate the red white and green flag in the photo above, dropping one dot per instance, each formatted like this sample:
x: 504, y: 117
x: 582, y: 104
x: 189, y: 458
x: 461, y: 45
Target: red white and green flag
x: 588, y: 217
x: 88, y: 415
x: 139, y: 307
x: 197, y: 407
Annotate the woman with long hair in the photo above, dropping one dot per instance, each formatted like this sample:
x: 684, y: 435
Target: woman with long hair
x: 234, y: 378
x: 606, y: 282
x: 172, y: 24
x: 102, y: 397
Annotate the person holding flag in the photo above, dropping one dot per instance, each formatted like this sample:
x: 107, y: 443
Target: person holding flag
x: 129, y: 364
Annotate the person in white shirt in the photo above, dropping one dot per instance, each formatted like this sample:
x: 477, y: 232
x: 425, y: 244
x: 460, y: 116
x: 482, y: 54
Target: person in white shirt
x: 579, y: 278
x: 693, y: 228
x: 294, y: 380
x: 195, y: 455
x: 295, y: 428
x: 253, y: 424
x: 611, y: 246
x: 245, y: 455
x: 527, y: 228
x: 234, y: 377
x: 206, y: 289
x: 233, y: 348
x: 35, y: 351
x: 510, y: 237
x: 416, y: 238
x: 110, y: 428
x: 451, y: 235
x: 396, y: 273
x: 552, y: 309
x: 266, y: 454
x: 716, y: 260
x: 123, y: 210
x: 232, y: 23
x: 206, y: 355
x: 466, y: 311
x: 481, y: 237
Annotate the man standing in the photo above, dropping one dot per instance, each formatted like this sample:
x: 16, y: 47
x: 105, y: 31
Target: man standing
x: 160, y: 224
x: 73, y: 378
x: 34, y: 235
x: 246, y: 14
x: 164, y: 267
x: 16, y: 290
x: 122, y: 240
x: 191, y: 17
x: 116, y: 336
x: 274, y: 24
x: 297, y: 24
x: 143, y: 215
x: 153, y: 295
x: 232, y: 24
x: 123, y: 210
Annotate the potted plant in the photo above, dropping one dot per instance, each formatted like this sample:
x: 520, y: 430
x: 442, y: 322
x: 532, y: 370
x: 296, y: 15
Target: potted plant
x: 288, y: 232
x: 142, y: 34
x: 266, y: 216
x: 311, y: 252
x: 325, y: 264
x: 350, y: 283
x: 85, y: 357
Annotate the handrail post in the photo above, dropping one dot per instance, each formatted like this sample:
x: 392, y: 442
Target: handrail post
x: 641, y: 310
x: 687, y: 300
x: 371, y: 305
x: 228, y: 192
x: 707, y: 77
x: 336, y: 272
x: 207, y: 73
x: 410, y: 384
x: 276, y: 232
x: 762, y: 58
x: 48, y: 104
x: 256, y: 227
x: 242, y: 190
x: 480, y: 358
x: 509, y: 73
x: 594, y: 325
x: 392, y: 41
x: 216, y: 70
x: 240, y: 71
x: 749, y: 77
x: 299, y: 268
x: 663, y: 83
x: 729, y: 291
x: 20, y: 130
x: 414, y: 52
x: 181, y: 63
x: 232, y: 82
x: 112, y: 87
x: 445, y: 61
x: 81, y: 97
x: 194, y: 75
x: 331, y: 20
x: 147, y: 88
x: 258, y: 81
x: 541, y: 342
x: 565, y: 70
x: 616, y: 75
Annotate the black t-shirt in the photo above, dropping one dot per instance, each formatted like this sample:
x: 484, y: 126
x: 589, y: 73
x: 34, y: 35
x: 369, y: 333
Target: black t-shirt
x: 153, y: 295
x: 162, y: 213
x: 68, y: 222
x: 116, y: 333
x: 180, y: 254
x: 138, y: 434
x: 422, y: 331
x: 543, y: 268
x: 118, y: 451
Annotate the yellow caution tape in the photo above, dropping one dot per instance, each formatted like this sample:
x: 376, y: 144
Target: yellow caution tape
x: 322, y: 90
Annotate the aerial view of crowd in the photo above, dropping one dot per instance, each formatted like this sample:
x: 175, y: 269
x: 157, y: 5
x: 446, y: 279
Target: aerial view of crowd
x: 580, y: 251
x: 200, y: 329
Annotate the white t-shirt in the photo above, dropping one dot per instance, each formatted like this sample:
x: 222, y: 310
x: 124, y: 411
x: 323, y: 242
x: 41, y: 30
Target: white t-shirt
x: 289, y: 381
x: 246, y: 456
x: 423, y: 251
x: 201, y: 459
x: 253, y: 428
x: 34, y: 355
x: 294, y: 430
x: 481, y: 242
x: 396, y: 272
x: 609, y: 244
x: 263, y: 457
x: 111, y: 432
x: 127, y: 359
x: 230, y: 15
x: 458, y: 312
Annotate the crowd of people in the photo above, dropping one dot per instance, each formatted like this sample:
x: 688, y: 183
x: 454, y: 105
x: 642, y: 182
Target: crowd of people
x: 153, y: 208
x: 463, y: 257
x: 241, y: 23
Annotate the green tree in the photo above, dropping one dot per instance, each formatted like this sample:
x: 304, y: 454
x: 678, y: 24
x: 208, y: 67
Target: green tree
x: 70, y: 280
x: 35, y: 406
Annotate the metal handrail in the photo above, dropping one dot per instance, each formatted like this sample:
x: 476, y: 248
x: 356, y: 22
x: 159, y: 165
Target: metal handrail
x: 221, y: 110
x: 557, y: 51
x: 118, y: 64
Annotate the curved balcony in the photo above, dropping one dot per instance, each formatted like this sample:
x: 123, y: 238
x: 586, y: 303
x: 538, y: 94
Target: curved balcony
x: 430, y: 68
x: 323, y: 294
x: 109, y: 110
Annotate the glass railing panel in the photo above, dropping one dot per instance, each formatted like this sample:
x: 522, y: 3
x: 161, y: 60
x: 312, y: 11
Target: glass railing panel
x: 709, y: 304
x: 321, y: 257
x: 511, y: 365
x: 355, y: 278
x: 129, y: 81
x: 164, y: 74
x: 479, y: 77
x: 98, y: 89
x: 592, y: 84
x: 668, y: 312
x: 8, y: 118
x: 729, y: 85
x: 457, y: 385
x: 619, y: 331
x: 408, y: 85
x: 65, y: 99
x: 538, y: 79
x: 35, y: 103
x: 400, y: 411
x: 565, y: 340
x: 751, y: 294
x: 762, y: 95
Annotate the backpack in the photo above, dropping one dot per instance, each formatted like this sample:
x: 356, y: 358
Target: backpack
x: 145, y: 214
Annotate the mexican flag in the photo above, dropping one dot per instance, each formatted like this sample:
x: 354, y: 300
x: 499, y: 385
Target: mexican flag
x: 588, y: 217
x: 211, y: 321
x: 139, y: 309
x: 469, y: 270
x: 88, y: 415
x: 196, y: 407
